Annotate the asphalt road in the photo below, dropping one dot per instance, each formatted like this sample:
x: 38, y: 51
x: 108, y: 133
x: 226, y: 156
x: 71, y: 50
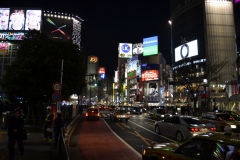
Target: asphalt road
x: 110, y: 139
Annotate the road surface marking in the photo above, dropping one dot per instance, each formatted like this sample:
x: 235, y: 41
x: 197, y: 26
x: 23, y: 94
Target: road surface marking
x: 138, y: 154
x: 152, y: 131
x: 143, y: 138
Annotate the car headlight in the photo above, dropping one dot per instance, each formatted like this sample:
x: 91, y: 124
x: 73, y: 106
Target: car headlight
x: 162, y: 115
x: 233, y: 126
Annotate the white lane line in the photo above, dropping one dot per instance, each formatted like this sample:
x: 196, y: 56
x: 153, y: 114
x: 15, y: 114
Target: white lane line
x: 152, y: 131
x: 136, y: 152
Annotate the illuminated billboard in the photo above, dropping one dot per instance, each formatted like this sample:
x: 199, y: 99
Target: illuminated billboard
x: 186, y: 50
x: 125, y: 50
x: 236, y: 1
x: 33, y: 19
x: 4, y: 48
x: 93, y: 59
x: 150, y: 75
x: 101, y: 70
x: 150, y: 46
x: 137, y: 48
x: 4, y: 18
x: 11, y: 36
x: 16, y: 20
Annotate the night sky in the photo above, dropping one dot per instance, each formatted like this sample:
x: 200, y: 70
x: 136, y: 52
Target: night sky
x: 107, y: 23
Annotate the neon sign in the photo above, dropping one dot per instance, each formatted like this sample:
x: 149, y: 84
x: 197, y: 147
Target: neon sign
x: 93, y: 59
x: 11, y: 36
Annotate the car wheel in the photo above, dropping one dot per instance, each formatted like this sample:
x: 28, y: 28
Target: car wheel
x: 179, y: 136
x: 157, y: 129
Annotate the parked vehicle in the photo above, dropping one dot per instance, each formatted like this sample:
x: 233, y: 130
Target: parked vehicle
x: 181, y: 127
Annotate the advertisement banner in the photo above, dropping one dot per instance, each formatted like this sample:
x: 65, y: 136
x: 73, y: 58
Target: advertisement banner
x: 137, y: 48
x: 186, y: 50
x: 4, y: 48
x: 150, y: 46
x: 101, y: 70
x: 125, y: 50
x: 11, y: 36
x: 33, y: 19
x: 150, y: 75
x: 4, y: 18
x: 16, y: 20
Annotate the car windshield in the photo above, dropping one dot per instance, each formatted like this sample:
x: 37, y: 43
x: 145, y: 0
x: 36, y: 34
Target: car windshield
x: 121, y: 111
x: 192, y: 121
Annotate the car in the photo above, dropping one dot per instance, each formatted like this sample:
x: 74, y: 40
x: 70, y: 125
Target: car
x: 233, y: 114
x: 92, y: 113
x: 158, y: 113
x: 136, y: 110
x: 223, y: 122
x: 120, y: 113
x: 181, y: 127
x: 211, y: 145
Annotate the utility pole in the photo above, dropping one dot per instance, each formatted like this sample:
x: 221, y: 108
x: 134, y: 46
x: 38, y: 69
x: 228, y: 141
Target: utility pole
x: 61, y: 77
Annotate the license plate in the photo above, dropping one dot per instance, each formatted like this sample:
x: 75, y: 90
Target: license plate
x: 123, y: 116
x: 204, y: 130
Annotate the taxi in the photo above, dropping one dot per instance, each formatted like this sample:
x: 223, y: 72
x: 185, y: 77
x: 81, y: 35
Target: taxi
x: 92, y: 113
x: 211, y: 145
x: 120, y: 113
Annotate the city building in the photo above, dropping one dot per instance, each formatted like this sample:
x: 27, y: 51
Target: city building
x: 204, y: 52
x: 16, y: 22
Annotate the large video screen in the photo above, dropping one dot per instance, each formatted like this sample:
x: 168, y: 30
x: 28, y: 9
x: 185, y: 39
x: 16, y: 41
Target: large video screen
x: 186, y: 50
x: 33, y: 19
x: 16, y: 20
x: 4, y: 18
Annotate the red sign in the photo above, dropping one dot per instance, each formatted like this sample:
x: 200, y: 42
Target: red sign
x: 150, y: 75
x: 4, y: 47
x: 93, y: 59
x: 101, y: 70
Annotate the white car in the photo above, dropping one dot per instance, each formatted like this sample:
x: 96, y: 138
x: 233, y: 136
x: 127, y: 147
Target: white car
x: 181, y: 127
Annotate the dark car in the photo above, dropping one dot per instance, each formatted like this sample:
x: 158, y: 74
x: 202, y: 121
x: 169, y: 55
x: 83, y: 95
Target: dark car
x: 208, y: 146
x: 136, y: 110
x: 92, y: 113
x: 223, y: 122
x: 233, y: 114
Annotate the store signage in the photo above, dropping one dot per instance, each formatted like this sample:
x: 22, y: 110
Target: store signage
x: 101, y: 70
x: 132, y: 74
x: 11, y: 36
x: 93, y: 59
x: 186, y: 50
x: 150, y: 75
x: 4, y: 48
x: 125, y: 50
x: 150, y: 46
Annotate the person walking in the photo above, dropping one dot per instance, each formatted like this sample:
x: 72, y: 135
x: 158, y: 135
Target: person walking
x: 16, y: 134
x: 58, y: 124
x: 48, y: 125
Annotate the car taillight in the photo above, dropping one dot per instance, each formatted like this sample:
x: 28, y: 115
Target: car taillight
x: 98, y: 114
x: 230, y: 118
x: 92, y: 111
x: 86, y: 114
x: 194, y: 129
x: 118, y: 115
x: 128, y: 115
x: 212, y: 129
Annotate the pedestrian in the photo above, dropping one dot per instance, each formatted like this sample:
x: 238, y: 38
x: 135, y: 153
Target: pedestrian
x: 58, y: 124
x: 16, y: 134
x: 48, y: 125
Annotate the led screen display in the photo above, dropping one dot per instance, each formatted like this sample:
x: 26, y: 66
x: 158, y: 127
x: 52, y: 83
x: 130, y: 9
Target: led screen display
x: 11, y: 36
x: 149, y: 75
x: 186, y: 50
x: 16, y: 19
x: 33, y: 19
x: 150, y: 46
x: 125, y: 50
x: 4, y: 18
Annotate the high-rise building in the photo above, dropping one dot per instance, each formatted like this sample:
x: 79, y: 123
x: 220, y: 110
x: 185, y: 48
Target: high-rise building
x: 203, y: 34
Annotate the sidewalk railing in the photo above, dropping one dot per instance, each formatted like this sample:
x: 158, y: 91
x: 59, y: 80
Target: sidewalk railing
x: 62, y: 147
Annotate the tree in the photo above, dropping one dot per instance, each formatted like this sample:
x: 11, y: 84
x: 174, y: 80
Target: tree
x: 37, y: 67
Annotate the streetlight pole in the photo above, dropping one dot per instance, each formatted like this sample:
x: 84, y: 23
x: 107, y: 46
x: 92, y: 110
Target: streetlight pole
x: 170, y: 24
x: 61, y: 77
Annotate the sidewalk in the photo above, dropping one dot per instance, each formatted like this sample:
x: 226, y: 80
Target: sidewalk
x: 35, y: 147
